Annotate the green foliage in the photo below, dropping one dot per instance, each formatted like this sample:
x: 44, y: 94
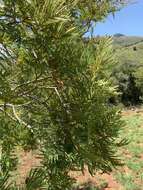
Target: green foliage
x: 52, y: 97
x: 124, y: 77
x: 126, y: 73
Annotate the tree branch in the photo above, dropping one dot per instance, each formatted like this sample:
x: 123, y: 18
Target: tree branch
x: 30, y: 82
x: 16, y: 117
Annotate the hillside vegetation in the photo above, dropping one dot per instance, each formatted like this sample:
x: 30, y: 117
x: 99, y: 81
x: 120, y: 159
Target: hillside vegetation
x: 127, y: 73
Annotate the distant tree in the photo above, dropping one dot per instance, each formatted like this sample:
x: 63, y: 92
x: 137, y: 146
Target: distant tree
x: 51, y: 96
x: 124, y: 76
x: 131, y: 95
x: 135, y: 48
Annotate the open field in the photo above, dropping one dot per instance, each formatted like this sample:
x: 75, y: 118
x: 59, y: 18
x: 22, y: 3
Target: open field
x: 128, y: 177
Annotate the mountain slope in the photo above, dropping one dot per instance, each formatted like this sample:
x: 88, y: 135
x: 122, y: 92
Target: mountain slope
x: 126, y: 41
x: 129, y: 49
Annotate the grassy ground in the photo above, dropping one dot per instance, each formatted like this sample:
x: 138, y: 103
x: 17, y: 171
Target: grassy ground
x: 131, y: 175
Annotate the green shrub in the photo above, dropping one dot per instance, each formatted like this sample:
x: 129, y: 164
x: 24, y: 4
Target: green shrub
x: 51, y: 97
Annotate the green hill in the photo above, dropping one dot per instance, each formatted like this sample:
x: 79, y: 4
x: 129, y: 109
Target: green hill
x: 129, y: 48
x: 127, y: 73
x: 126, y: 41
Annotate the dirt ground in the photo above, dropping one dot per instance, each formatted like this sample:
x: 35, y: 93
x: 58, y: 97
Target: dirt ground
x: 108, y: 180
x: 28, y: 161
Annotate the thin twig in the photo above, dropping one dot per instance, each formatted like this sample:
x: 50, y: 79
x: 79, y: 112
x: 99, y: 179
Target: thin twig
x: 19, y: 120
x: 16, y: 117
x: 30, y: 82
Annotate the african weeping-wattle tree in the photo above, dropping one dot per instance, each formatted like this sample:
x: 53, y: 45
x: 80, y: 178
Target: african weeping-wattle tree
x: 52, y: 97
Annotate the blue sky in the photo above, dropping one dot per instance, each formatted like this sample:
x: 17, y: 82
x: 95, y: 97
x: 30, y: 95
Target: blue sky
x: 128, y: 21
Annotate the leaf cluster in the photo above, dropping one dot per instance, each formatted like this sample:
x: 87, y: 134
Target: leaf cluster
x: 52, y: 97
